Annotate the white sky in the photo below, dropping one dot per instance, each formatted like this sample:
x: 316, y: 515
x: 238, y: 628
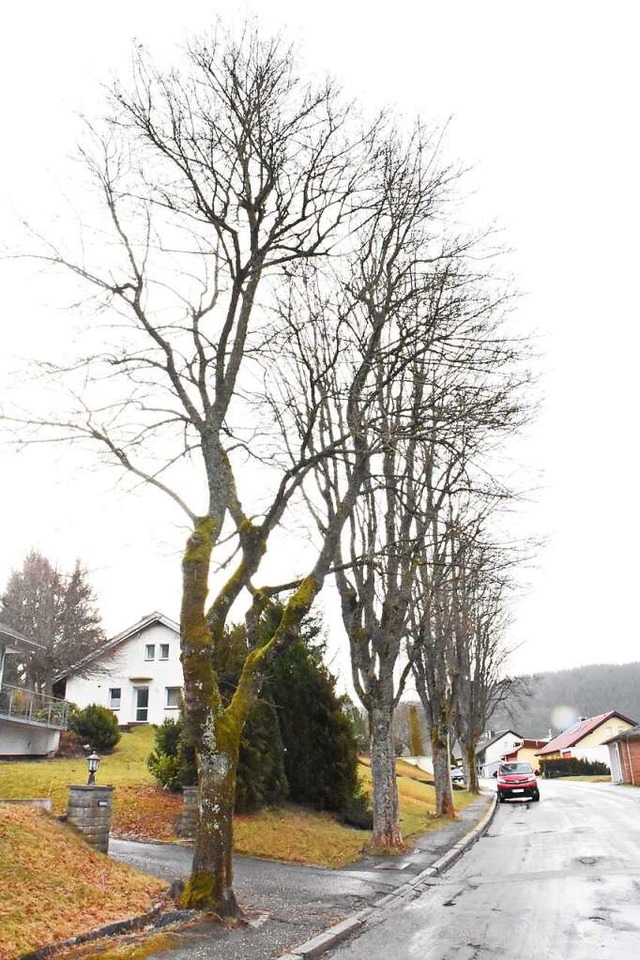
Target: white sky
x: 544, y: 103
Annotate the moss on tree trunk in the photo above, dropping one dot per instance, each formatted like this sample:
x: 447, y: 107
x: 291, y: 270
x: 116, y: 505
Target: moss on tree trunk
x: 215, y: 730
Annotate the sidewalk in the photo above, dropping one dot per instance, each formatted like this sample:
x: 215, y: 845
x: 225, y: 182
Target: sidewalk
x: 300, y: 912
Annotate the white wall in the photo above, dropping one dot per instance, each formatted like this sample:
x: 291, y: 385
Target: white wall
x: 496, y: 751
x: 22, y: 739
x: 26, y: 740
x: 130, y: 671
x: 614, y: 763
x: 423, y: 763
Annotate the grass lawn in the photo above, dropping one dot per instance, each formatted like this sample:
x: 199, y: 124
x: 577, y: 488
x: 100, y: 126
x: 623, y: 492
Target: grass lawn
x: 59, y: 887
x: 54, y: 886
x: 143, y: 811
x: 417, y: 799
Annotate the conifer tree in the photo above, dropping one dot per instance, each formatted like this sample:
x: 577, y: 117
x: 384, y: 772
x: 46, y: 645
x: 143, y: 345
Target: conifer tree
x: 58, y: 611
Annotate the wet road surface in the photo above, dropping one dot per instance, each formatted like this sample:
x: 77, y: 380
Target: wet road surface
x: 554, y: 880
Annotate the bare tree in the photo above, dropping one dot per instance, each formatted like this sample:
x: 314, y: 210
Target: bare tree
x: 477, y: 401
x: 214, y: 181
x: 224, y: 188
x: 429, y: 646
x: 481, y: 586
x: 396, y: 284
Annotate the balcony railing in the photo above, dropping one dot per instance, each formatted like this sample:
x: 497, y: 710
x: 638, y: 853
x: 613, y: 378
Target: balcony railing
x: 27, y: 706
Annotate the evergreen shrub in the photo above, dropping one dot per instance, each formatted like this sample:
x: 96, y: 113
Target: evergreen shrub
x: 171, y: 762
x: 573, y: 767
x: 96, y: 726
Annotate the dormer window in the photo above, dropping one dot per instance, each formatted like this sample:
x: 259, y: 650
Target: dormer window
x: 150, y: 651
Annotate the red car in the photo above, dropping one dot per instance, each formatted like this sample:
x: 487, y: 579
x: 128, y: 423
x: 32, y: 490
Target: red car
x: 517, y: 780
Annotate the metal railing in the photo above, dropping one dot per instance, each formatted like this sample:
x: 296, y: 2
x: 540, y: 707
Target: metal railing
x: 27, y: 706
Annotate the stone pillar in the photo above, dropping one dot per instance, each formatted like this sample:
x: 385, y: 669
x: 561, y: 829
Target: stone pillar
x: 89, y: 811
x: 188, y: 819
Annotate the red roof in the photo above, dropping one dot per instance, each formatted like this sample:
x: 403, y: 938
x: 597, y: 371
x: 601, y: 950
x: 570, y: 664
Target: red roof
x: 527, y: 744
x: 578, y: 732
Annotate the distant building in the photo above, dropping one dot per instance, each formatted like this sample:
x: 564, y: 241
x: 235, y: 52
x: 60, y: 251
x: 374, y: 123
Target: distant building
x: 586, y: 739
x: 30, y: 722
x: 526, y: 751
x: 624, y: 756
x: 492, y: 751
x: 137, y: 673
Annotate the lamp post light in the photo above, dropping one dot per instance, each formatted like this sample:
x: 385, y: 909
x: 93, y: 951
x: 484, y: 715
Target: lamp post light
x: 93, y: 762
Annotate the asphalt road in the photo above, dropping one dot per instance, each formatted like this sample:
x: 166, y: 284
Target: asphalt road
x: 554, y: 880
x: 289, y: 903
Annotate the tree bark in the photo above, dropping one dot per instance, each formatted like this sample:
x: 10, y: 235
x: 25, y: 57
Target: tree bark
x: 473, y: 784
x: 210, y: 885
x: 216, y: 740
x: 441, y: 769
x: 386, y: 821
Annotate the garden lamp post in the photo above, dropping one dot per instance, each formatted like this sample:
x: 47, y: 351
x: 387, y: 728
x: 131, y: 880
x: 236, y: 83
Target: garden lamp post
x: 93, y: 762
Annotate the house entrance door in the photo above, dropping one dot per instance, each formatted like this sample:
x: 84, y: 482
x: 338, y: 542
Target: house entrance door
x: 142, y: 704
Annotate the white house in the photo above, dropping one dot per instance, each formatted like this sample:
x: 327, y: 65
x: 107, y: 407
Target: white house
x: 30, y: 722
x: 137, y: 674
x: 587, y: 739
x: 490, y: 752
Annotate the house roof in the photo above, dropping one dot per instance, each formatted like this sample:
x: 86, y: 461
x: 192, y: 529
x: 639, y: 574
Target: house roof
x: 498, y: 736
x: 579, y: 731
x: 482, y: 747
x: 15, y: 642
x: 632, y: 734
x: 530, y: 744
x: 119, y: 638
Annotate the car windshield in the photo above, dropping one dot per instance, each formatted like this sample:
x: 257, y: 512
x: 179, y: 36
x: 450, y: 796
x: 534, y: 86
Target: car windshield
x: 516, y: 768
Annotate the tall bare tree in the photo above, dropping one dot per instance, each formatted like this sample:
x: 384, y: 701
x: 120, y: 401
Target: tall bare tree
x: 213, y: 181
x: 396, y: 283
x: 481, y: 584
x: 477, y: 399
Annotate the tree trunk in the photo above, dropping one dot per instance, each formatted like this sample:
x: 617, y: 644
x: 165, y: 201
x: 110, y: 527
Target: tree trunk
x: 216, y: 739
x: 386, y: 811
x: 210, y: 885
x: 441, y: 770
x: 473, y: 784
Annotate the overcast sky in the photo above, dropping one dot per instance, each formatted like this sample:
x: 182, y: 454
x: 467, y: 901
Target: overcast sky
x: 543, y: 101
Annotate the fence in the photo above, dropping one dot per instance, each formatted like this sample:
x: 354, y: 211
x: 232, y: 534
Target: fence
x: 28, y: 706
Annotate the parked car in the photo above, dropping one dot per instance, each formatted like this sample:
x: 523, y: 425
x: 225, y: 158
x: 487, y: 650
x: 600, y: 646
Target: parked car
x: 457, y: 776
x: 516, y: 780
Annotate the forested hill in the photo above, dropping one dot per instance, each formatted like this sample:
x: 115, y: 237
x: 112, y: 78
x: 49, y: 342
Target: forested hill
x: 584, y: 691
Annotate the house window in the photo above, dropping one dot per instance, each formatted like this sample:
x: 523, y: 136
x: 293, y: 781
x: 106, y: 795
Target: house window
x: 164, y: 651
x: 173, y: 697
x: 150, y: 651
x: 115, y: 696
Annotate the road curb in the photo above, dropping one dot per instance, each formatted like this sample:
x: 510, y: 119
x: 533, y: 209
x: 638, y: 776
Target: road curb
x: 456, y: 851
x: 154, y: 918
x: 408, y: 891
